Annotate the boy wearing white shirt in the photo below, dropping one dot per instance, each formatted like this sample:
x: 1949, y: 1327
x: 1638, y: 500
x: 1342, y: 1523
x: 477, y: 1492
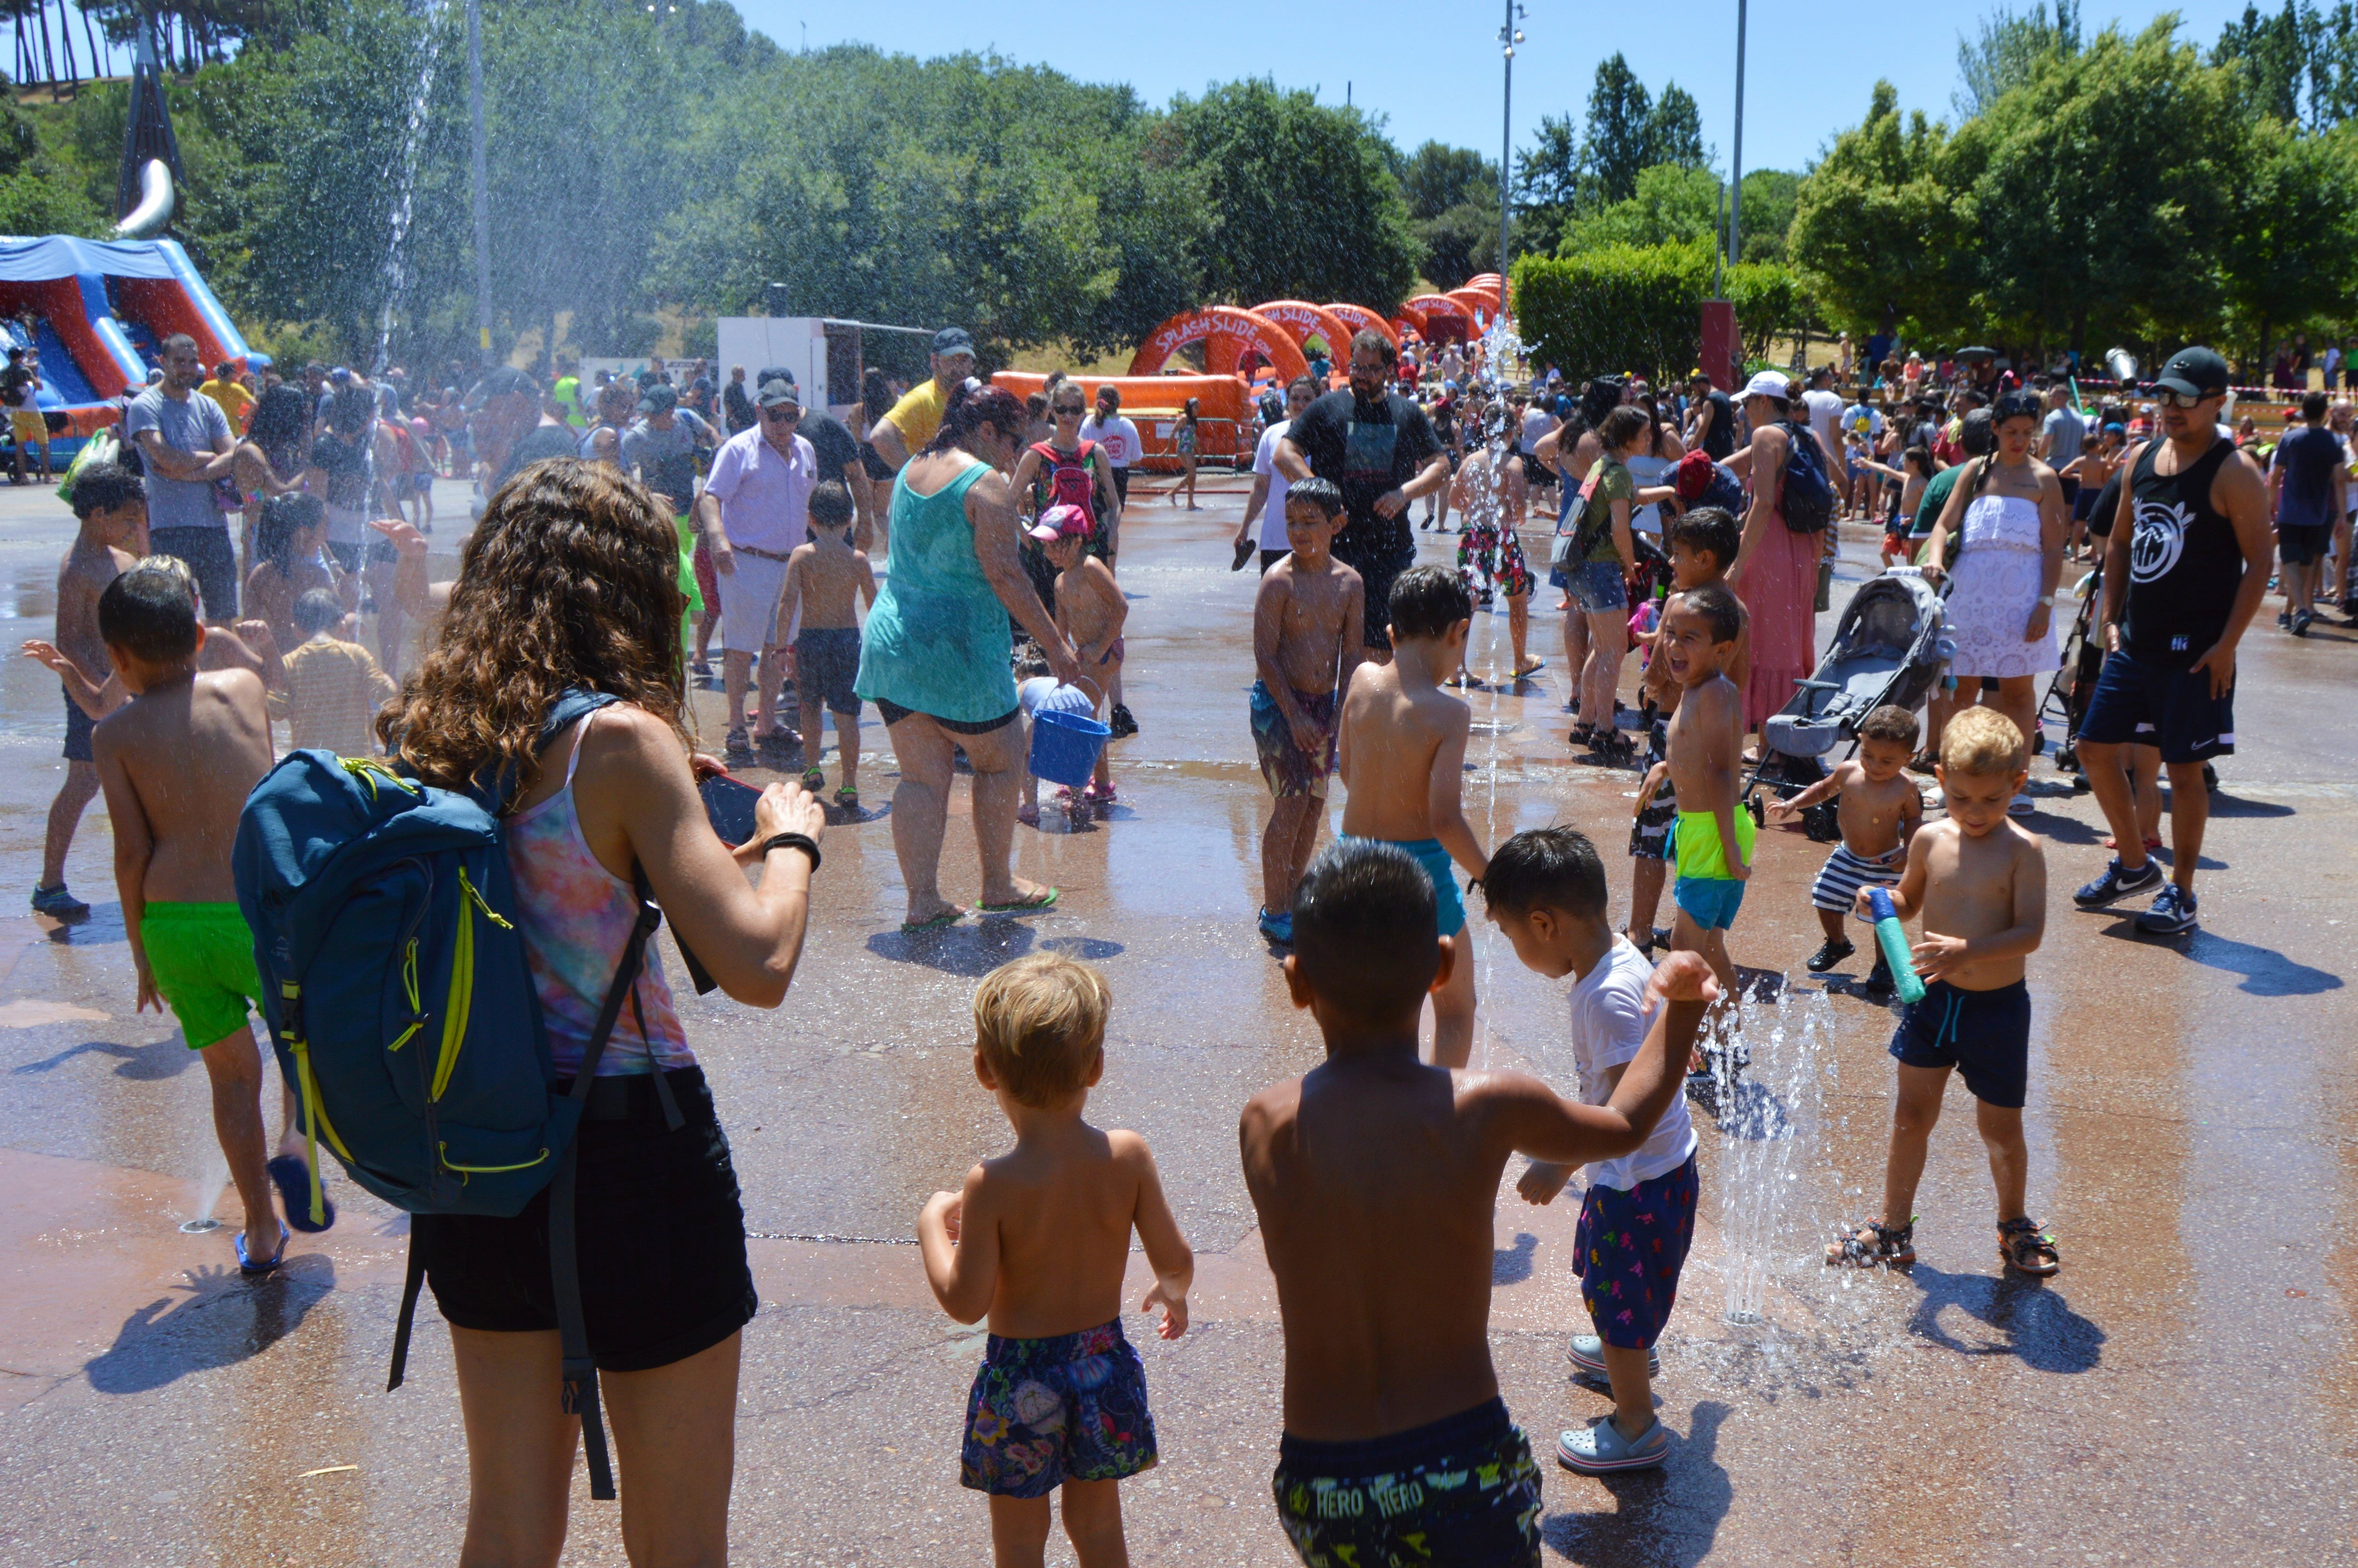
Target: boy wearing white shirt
x: 1545, y: 890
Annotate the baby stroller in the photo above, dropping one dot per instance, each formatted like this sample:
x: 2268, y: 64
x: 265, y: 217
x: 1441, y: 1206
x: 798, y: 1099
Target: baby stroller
x: 2074, y: 686
x: 1888, y: 648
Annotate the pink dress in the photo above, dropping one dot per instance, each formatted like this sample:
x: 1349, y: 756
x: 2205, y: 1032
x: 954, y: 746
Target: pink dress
x: 1780, y: 591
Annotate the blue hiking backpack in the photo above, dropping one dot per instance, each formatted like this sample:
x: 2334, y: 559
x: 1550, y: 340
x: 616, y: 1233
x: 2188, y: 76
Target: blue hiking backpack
x: 401, y: 1006
x: 1807, y: 500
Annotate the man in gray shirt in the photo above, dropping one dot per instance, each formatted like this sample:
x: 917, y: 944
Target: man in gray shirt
x: 185, y: 442
x: 2061, y: 437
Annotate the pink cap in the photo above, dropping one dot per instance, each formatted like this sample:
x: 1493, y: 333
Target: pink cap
x: 1060, y: 522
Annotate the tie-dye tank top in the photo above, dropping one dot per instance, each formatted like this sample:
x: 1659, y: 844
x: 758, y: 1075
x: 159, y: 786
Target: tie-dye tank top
x: 575, y: 915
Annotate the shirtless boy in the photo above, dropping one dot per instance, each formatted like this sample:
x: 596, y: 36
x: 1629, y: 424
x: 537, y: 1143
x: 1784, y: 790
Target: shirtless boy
x: 1714, y: 834
x: 1376, y: 1180
x: 1090, y: 611
x: 1879, y: 811
x: 1402, y: 757
x: 824, y: 581
x: 177, y: 764
x: 1307, y: 620
x: 111, y: 503
x: 1979, y: 882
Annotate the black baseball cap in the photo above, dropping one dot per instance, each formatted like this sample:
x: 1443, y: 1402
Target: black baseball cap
x: 657, y: 399
x: 953, y: 341
x: 777, y: 391
x: 2193, y: 373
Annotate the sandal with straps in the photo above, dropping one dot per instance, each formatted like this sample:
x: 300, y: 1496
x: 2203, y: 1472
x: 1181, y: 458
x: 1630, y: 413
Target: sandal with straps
x: 2025, y: 1245
x: 1871, y: 1244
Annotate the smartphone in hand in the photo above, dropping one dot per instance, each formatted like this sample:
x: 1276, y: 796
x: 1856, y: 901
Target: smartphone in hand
x: 728, y: 806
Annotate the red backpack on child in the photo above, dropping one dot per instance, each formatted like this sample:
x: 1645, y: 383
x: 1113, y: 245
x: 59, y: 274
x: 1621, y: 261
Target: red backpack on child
x: 1066, y: 479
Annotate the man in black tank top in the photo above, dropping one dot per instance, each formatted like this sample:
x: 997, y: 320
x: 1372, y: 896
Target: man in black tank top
x: 2185, y: 567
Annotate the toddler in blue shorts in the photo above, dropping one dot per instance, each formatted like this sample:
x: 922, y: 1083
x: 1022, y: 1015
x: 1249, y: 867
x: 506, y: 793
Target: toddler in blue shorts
x: 1038, y: 1239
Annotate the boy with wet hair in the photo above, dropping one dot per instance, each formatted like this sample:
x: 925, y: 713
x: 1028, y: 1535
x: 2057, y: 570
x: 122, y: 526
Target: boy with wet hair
x: 1880, y: 812
x: 1376, y: 1181
x: 1713, y: 835
x: 110, y: 504
x: 1702, y: 545
x: 1402, y: 757
x: 826, y: 579
x: 1545, y: 890
x: 1038, y: 1239
x: 1979, y: 879
x: 177, y: 762
x: 1306, y: 644
x: 1090, y: 609
x: 328, y: 687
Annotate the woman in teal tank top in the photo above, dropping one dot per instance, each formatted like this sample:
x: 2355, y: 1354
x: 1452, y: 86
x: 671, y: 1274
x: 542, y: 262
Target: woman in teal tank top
x: 934, y: 654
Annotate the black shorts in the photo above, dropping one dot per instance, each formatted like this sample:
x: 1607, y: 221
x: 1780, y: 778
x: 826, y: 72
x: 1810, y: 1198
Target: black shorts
x: 1122, y: 484
x: 1461, y: 1490
x: 876, y: 467
x: 2302, y: 544
x: 893, y: 713
x: 1536, y: 472
x: 210, y: 558
x: 662, y: 1239
x: 826, y: 660
x: 2070, y: 494
x: 1379, y: 577
x: 79, y: 726
x: 2153, y: 705
x: 1985, y: 1035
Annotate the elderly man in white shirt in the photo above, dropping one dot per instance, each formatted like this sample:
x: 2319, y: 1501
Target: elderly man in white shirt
x: 754, y: 510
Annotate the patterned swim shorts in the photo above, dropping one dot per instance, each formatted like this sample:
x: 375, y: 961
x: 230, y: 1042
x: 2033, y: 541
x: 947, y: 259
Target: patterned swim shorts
x: 1046, y: 1411
x: 1461, y: 1491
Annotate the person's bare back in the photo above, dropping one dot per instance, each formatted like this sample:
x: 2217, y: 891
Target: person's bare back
x: 1061, y: 1216
x: 1404, y: 746
x: 186, y: 754
x: 829, y: 579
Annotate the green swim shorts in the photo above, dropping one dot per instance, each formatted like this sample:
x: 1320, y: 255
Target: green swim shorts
x: 202, y: 958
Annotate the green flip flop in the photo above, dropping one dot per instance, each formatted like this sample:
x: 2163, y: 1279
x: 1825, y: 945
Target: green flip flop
x: 1027, y: 906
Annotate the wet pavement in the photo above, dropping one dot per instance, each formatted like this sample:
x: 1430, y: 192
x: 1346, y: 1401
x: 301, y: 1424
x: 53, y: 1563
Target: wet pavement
x: 2183, y: 1392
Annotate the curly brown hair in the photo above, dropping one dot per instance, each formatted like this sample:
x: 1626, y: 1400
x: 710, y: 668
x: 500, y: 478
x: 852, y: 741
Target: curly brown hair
x: 570, y: 580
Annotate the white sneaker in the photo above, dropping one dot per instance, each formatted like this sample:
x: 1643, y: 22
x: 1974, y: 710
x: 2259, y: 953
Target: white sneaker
x: 2021, y: 806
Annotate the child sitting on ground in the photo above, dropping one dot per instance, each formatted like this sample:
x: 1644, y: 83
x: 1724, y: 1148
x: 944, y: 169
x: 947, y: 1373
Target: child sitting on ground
x: 1713, y: 837
x: 1376, y: 1182
x: 1038, y: 1239
x: 177, y: 764
x: 1090, y: 611
x: 1402, y: 757
x: 1545, y: 890
x: 327, y: 689
x: 823, y: 580
x: 1701, y: 544
x: 110, y: 502
x: 1980, y: 881
x: 1306, y: 624
x: 1038, y: 691
x: 1880, y: 812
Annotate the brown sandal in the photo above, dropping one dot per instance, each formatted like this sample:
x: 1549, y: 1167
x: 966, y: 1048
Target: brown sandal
x: 2025, y: 1245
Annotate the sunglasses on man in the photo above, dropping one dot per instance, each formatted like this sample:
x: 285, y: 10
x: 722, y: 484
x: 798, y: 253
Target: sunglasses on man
x: 2183, y: 399
x: 785, y: 414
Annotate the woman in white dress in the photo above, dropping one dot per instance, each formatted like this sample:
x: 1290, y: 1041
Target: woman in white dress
x: 2007, y: 513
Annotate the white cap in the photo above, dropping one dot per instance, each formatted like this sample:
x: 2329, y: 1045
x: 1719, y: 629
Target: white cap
x: 1770, y: 384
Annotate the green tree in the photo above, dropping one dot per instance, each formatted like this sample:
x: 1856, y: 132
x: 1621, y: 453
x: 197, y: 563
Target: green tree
x: 1617, y: 143
x: 2292, y: 255
x: 1674, y: 130
x: 1437, y: 176
x: 1548, y: 183
x: 1877, y: 230
x: 1671, y: 205
x: 1769, y: 195
x: 1303, y: 202
x: 1453, y: 207
x: 2012, y: 45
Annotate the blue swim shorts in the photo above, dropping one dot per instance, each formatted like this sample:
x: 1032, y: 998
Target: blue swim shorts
x: 1629, y: 1250
x: 1449, y: 910
x: 1710, y: 902
x: 1044, y: 1411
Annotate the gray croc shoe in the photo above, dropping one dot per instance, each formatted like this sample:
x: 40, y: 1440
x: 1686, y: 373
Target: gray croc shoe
x: 1599, y: 1449
x: 1587, y: 1352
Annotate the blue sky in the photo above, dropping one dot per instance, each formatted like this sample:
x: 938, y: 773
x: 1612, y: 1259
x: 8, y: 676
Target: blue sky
x: 1433, y: 68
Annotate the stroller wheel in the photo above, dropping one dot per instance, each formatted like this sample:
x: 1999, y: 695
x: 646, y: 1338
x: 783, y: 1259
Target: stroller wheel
x: 1760, y: 811
x: 1822, y: 822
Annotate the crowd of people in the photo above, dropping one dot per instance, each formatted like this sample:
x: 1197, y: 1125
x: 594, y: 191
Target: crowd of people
x: 626, y: 522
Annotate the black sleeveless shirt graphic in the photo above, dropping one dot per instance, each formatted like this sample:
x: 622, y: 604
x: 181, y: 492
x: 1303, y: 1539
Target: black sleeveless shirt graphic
x: 2185, y: 565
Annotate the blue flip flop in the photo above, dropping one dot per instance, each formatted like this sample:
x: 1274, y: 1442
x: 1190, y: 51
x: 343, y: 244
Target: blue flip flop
x: 292, y: 1179
x: 247, y: 1266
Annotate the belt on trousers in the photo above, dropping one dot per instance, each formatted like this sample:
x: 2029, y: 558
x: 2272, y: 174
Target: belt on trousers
x: 764, y: 554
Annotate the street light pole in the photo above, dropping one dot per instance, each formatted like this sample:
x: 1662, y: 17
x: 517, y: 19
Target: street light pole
x: 483, y: 188
x: 1509, y: 37
x: 1736, y: 186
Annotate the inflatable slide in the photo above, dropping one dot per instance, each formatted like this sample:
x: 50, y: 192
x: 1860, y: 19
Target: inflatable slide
x: 96, y: 310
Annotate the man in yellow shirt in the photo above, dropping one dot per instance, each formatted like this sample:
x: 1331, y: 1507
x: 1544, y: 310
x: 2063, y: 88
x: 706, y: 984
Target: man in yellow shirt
x: 914, y: 421
x: 231, y: 394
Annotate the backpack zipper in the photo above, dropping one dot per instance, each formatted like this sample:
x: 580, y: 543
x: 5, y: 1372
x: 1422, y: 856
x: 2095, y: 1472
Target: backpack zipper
x: 463, y: 982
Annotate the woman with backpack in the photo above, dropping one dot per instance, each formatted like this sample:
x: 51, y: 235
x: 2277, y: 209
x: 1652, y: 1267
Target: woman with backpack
x: 571, y: 584
x: 1776, y: 569
x: 1066, y: 469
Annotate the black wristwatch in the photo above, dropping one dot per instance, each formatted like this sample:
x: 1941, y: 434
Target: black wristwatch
x: 801, y: 841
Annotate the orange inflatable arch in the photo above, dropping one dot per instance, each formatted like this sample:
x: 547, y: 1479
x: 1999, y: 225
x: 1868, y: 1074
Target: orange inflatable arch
x: 1445, y: 320
x: 1226, y: 334
x: 1479, y: 304
x: 1359, y: 319
x: 1307, y: 320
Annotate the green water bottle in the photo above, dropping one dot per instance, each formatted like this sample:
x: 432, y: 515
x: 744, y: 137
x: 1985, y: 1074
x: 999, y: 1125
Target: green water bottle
x: 1892, y: 937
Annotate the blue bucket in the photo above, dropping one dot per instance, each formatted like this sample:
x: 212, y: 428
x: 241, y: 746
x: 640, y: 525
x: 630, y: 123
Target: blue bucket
x: 1065, y: 746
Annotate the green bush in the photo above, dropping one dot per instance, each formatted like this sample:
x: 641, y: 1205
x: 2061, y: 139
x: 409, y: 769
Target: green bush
x: 1637, y: 309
